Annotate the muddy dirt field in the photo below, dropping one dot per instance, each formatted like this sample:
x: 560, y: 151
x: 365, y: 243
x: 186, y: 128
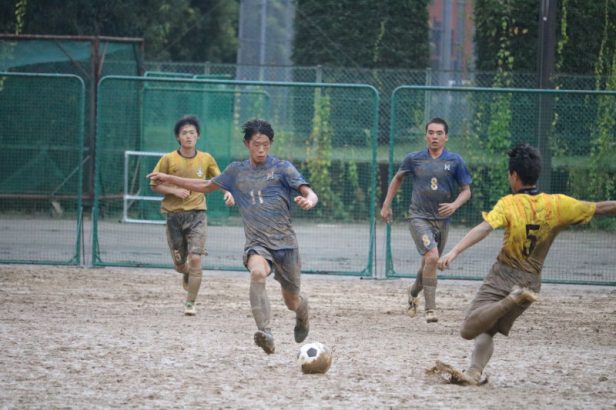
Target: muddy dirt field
x: 101, y: 338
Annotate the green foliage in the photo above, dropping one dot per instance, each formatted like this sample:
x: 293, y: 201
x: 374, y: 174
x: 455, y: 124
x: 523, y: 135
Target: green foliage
x: 319, y: 158
x: 362, y: 33
x: 178, y: 30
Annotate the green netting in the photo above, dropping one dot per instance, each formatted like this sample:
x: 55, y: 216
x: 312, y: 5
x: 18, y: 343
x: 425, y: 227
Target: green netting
x: 576, y: 133
x: 41, y: 144
x: 328, y: 131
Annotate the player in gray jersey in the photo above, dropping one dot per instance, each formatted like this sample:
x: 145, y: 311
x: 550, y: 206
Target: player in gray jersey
x: 262, y: 187
x: 437, y: 176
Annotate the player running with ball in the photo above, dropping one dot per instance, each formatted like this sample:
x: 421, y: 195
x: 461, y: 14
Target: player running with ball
x: 262, y: 186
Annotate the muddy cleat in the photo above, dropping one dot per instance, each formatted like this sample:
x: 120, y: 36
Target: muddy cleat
x: 431, y: 316
x: 412, y: 308
x: 190, y: 309
x: 452, y: 375
x: 185, y: 281
x: 265, y: 340
x: 521, y: 295
x: 302, y: 327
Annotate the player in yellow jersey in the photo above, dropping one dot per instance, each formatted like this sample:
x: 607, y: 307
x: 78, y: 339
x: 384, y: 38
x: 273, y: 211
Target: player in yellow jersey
x: 186, y: 210
x: 531, y: 221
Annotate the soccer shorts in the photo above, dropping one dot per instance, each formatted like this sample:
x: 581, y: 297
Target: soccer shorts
x: 186, y: 234
x: 497, y: 286
x: 285, y: 263
x: 429, y: 233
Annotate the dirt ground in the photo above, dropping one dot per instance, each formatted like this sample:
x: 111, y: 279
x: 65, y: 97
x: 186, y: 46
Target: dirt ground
x: 100, y: 338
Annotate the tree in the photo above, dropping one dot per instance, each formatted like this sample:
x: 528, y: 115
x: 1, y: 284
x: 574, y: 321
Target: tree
x: 362, y: 33
x: 179, y: 30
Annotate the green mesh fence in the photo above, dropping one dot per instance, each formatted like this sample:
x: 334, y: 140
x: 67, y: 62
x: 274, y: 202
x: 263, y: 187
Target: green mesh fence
x: 328, y: 131
x: 576, y: 132
x: 41, y: 141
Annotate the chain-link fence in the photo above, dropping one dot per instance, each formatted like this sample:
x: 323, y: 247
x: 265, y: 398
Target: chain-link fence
x: 41, y: 141
x: 576, y: 133
x: 328, y: 131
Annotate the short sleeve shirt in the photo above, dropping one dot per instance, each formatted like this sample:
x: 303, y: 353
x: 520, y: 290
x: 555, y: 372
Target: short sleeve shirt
x: 263, y: 195
x: 531, y: 223
x: 201, y: 166
x: 435, y: 181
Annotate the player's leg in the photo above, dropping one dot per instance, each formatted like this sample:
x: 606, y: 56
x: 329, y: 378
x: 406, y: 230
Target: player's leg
x: 178, y: 246
x: 195, y: 227
x: 429, y: 284
x: 500, y: 300
x: 259, y: 268
x: 288, y: 272
x: 482, y: 352
x: 413, y: 292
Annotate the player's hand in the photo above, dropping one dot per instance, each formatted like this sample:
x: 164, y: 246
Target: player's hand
x: 158, y: 177
x: 304, y: 203
x: 387, y: 215
x: 182, y: 193
x: 446, y: 260
x: 446, y: 209
x: 229, y: 200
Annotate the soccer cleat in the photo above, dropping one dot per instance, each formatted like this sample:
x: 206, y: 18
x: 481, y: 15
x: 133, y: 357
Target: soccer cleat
x: 412, y: 308
x: 265, y: 340
x: 185, y: 281
x: 302, y: 327
x: 190, y: 309
x: 521, y: 295
x: 431, y: 316
x: 455, y: 376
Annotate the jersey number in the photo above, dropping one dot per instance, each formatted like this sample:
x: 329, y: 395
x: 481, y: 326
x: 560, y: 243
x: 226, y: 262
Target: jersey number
x: 434, y: 184
x: 259, y: 196
x: 532, y: 239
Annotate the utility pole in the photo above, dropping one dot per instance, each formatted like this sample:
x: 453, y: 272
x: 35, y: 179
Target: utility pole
x: 545, y: 70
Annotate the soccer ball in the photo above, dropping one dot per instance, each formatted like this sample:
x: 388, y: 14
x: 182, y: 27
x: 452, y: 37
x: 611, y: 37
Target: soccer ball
x: 314, y: 358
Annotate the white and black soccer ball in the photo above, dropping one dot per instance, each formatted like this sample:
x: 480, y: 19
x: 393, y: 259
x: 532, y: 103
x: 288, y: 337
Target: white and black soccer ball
x: 314, y: 358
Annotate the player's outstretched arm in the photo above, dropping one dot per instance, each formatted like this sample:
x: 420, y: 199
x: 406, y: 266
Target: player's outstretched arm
x: 472, y: 237
x: 308, y: 199
x: 386, y: 212
x: 196, y: 185
x: 171, y: 190
x: 447, y: 209
x: 606, y: 208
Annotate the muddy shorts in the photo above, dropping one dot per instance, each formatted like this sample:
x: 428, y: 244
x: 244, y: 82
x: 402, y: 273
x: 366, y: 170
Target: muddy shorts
x: 497, y: 286
x: 429, y: 233
x: 285, y: 264
x: 186, y: 234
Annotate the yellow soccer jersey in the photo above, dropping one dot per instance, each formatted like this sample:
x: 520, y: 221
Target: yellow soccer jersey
x: 531, y: 223
x: 201, y: 166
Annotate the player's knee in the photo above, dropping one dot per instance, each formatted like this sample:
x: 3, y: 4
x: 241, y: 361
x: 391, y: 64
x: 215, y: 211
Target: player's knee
x: 292, y: 301
x: 431, y: 257
x: 467, y: 332
x: 258, y: 274
x: 194, y: 260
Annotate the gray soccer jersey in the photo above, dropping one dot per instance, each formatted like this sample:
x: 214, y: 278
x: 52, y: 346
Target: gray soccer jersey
x: 435, y: 181
x: 263, y: 195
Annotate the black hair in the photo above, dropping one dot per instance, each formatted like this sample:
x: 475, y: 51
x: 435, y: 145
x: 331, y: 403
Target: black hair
x: 186, y: 120
x: 256, y: 126
x: 525, y: 160
x: 437, y: 120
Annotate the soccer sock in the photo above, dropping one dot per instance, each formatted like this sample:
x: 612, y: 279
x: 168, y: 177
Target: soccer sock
x: 484, y: 347
x: 260, y: 304
x: 302, y: 310
x: 429, y: 284
x: 417, y: 286
x: 483, y: 318
x: 194, y: 283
